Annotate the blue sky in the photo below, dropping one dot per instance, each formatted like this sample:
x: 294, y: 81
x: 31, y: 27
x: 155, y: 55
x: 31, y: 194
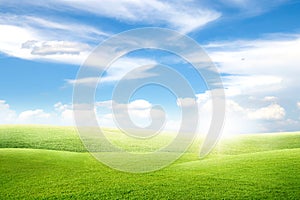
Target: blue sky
x: 254, y: 44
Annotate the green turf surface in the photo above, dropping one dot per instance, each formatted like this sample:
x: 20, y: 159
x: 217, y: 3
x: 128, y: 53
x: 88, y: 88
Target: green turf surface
x: 39, y: 162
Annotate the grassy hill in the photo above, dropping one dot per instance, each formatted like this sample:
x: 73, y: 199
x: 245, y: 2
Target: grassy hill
x: 40, y: 162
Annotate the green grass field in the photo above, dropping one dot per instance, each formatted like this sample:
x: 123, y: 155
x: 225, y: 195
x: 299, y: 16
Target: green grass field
x: 44, y: 162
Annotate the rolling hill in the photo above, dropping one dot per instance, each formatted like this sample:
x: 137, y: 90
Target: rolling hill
x: 45, y: 162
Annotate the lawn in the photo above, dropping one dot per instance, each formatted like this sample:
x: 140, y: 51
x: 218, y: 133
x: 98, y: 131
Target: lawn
x: 45, y: 162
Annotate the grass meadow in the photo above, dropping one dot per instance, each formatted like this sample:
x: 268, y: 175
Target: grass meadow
x: 47, y: 162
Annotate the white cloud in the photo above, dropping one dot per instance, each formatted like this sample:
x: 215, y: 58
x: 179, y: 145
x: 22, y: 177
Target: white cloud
x: 55, y: 47
x: 139, y: 104
x: 239, y: 119
x: 61, y: 115
x: 90, y: 81
x: 249, y: 84
x: 270, y: 99
x: 252, y: 81
x: 64, y: 113
x: 298, y: 104
x: 54, y: 28
x: 252, y: 7
x: 264, y: 77
x: 183, y: 16
x: 30, y: 37
x: 59, y: 40
x: 274, y: 56
x: 128, y: 68
x: 242, y: 118
x: 141, y: 113
x: 37, y: 116
x: 186, y: 102
x: 7, y: 116
x: 138, y: 110
x: 259, y: 68
x: 24, y: 43
x: 86, y: 32
x: 59, y: 107
x: 271, y: 112
x: 12, y: 38
x: 235, y: 122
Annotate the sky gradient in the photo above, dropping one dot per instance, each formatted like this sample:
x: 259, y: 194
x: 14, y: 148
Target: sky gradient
x: 254, y: 44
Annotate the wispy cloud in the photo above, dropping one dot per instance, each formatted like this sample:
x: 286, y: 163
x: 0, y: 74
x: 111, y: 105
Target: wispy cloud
x: 176, y: 15
x: 129, y: 68
x: 259, y: 62
x: 30, y: 37
x: 252, y: 7
x: 26, y: 44
x: 53, y: 27
x: 55, y: 47
x: 184, y: 16
x: 262, y: 71
x: 250, y: 84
